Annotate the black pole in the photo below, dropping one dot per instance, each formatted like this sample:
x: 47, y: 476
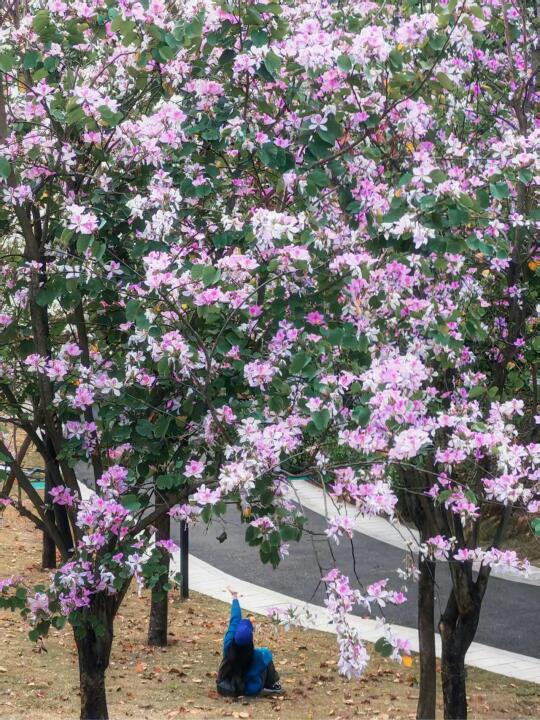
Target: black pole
x: 48, y: 551
x: 184, y: 559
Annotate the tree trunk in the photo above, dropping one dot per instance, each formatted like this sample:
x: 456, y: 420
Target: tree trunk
x: 426, y: 635
x: 457, y: 633
x: 48, y: 551
x: 62, y: 523
x: 94, y: 650
x: 158, y: 622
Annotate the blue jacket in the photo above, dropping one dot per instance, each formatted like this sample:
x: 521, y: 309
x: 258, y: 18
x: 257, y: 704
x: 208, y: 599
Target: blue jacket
x: 253, y: 681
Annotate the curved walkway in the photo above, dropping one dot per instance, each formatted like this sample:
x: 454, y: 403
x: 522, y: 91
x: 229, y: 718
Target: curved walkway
x: 394, y: 533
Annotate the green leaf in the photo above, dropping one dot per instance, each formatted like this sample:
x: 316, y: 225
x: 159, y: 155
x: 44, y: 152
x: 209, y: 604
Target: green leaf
x: 251, y: 533
x: 383, y: 647
x: 482, y: 197
x: 162, y: 425
x: 344, y: 63
x: 525, y: 176
x: 333, y: 131
x: 210, y: 275
x: 163, y: 367
x: 5, y: 168
x: 443, y: 496
x: 76, y: 115
x: 51, y: 63
x: 40, y: 20
x: 439, y: 176
x: 132, y: 310
x: 98, y: 250
x: 166, y: 52
x: 272, y: 62
x: 321, y: 419
x: 477, y: 391
x: 471, y: 497
x: 361, y: 414
x: 445, y: 81
x: 405, y: 179
x: 59, y: 622
x: 299, y: 362
x: 110, y: 117
x: 437, y: 42
x: 193, y: 29
x: 457, y: 216
x: 7, y: 62
x: 30, y: 59
x: 499, y: 190
x: 126, y: 28
x: 277, y: 404
x: 168, y: 482
x: 319, y: 177
x: 288, y: 532
x: 396, y: 59
x: 427, y: 202
x: 40, y: 74
x: 220, y: 508
x: 48, y: 293
x: 131, y: 502
x: 259, y: 38
x: 144, y: 428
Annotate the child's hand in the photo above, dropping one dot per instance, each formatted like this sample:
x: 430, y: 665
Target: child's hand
x: 233, y: 592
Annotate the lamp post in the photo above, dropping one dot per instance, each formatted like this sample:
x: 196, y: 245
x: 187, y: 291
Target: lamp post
x: 184, y: 560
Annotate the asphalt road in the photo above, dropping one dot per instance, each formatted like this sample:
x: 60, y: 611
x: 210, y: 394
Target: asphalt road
x: 509, y: 618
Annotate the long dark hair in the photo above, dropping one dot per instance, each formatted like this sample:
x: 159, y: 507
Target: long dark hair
x: 237, y: 662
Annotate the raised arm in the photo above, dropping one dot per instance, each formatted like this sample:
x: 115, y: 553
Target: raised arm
x: 236, y: 616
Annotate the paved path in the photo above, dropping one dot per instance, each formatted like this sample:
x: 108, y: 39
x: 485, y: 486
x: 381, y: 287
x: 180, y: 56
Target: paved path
x: 393, y: 533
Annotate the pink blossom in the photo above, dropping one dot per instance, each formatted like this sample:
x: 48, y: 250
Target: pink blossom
x: 340, y: 526
x: 61, y: 495
x: 168, y: 545
x: 206, y: 496
x: 83, y: 398
x: 39, y: 604
x: 80, y: 220
x: 194, y: 468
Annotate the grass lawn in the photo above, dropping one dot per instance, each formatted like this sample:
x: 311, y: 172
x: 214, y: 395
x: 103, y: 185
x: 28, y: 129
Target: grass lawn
x: 179, y: 681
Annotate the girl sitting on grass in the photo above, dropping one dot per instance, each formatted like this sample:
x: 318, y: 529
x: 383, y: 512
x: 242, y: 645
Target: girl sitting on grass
x: 245, y: 670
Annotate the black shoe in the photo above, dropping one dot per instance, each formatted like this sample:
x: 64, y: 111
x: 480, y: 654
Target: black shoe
x: 276, y: 689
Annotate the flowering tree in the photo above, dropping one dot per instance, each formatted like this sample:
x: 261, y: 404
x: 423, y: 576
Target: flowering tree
x: 248, y: 239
